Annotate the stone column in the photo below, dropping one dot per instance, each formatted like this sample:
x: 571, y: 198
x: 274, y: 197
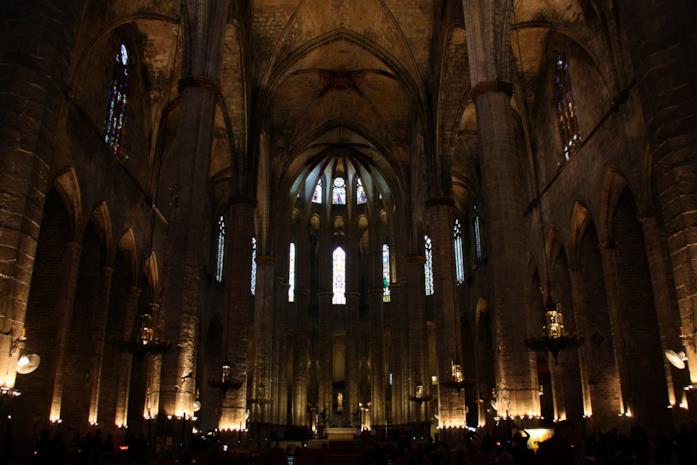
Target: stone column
x: 240, y: 224
x: 506, y: 247
x: 36, y: 47
x: 64, y: 309
x: 301, y: 358
x: 416, y: 333
x: 581, y: 323
x: 126, y: 359
x: 352, y: 353
x: 263, y: 340
x: 280, y: 353
x: 100, y: 320
x: 377, y: 358
x: 661, y: 38
x: 398, y: 354
x: 153, y: 369
x: 452, y: 408
x: 618, y: 326
x: 324, y: 329
x: 667, y: 312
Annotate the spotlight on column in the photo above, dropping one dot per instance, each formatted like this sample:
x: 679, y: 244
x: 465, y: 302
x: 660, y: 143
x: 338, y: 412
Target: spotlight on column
x: 677, y: 359
x: 28, y: 363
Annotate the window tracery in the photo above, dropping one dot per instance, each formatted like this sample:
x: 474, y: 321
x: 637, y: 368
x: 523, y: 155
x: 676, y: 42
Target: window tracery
x: 361, y: 198
x: 220, y: 250
x: 317, y: 194
x: 339, y: 191
x: 428, y: 265
x: 116, y: 105
x: 459, y: 265
x: 339, y: 276
x: 385, y: 273
x: 566, y: 107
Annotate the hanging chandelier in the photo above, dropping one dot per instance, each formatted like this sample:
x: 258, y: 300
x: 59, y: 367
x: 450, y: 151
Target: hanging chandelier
x: 225, y: 382
x: 457, y: 378
x: 419, y: 396
x: 554, y: 339
x: 145, y: 340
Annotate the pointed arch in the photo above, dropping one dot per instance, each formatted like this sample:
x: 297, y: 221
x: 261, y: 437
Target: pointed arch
x: 152, y: 271
x: 68, y: 188
x: 580, y: 218
x: 101, y: 219
x: 127, y: 245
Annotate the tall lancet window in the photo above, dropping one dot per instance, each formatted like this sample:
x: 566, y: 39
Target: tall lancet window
x: 220, y: 250
x: 566, y: 107
x: 339, y: 276
x: 253, y: 283
x: 116, y: 106
x: 459, y: 265
x: 476, y: 236
x: 317, y: 194
x: 428, y: 265
x: 385, y: 273
x: 291, y: 273
x: 361, y: 198
x: 339, y: 191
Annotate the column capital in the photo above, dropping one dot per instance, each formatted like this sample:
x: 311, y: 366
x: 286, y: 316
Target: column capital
x: 375, y: 290
x: 107, y: 270
x: 301, y: 291
x: 265, y: 260
x: 325, y: 294
x: 484, y: 87
x: 415, y: 259
x: 352, y: 294
x: 440, y: 202
x: 204, y: 82
x: 242, y: 201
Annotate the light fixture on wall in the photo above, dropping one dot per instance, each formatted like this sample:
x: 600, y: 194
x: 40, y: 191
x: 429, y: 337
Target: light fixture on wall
x: 554, y: 339
x: 27, y: 363
x: 677, y: 359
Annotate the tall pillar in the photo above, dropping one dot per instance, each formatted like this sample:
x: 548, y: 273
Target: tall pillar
x: 301, y: 358
x: 506, y: 248
x: 667, y: 311
x: 126, y: 359
x: 324, y: 329
x: 64, y: 306
x: 377, y: 358
x: 398, y: 355
x: 153, y: 369
x: 352, y: 354
x: 263, y: 341
x: 661, y: 38
x: 35, y: 49
x: 280, y: 353
x: 100, y: 320
x: 416, y: 333
x: 618, y: 326
x: 452, y: 408
x: 198, y: 94
x: 240, y: 224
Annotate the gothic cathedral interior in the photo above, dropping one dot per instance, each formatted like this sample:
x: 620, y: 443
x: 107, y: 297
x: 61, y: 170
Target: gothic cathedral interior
x: 298, y: 220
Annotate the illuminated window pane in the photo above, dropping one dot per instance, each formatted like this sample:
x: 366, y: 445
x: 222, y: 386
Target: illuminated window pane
x: 459, y: 265
x: 339, y: 276
x: 339, y: 192
x: 566, y: 107
x: 385, y: 273
x: 317, y: 194
x: 220, y: 250
x: 477, y: 235
x: 428, y: 265
x: 253, y: 284
x: 291, y: 273
x: 116, y: 105
x: 360, y: 193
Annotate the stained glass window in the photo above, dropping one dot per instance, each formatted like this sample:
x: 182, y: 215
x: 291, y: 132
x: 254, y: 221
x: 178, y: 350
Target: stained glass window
x: 428, y: 265
x: 339, y: 192
x: 459, y: 265
x: 253, y: 284
x: 477, y: 236
x: 220, y: 250
x: 116, y: 109
x: 385, y: 273
x: 291, y: 273
x: 339, y: 276
x: 361, y: 198
x: 317, y: 194
x: 566, y: 107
